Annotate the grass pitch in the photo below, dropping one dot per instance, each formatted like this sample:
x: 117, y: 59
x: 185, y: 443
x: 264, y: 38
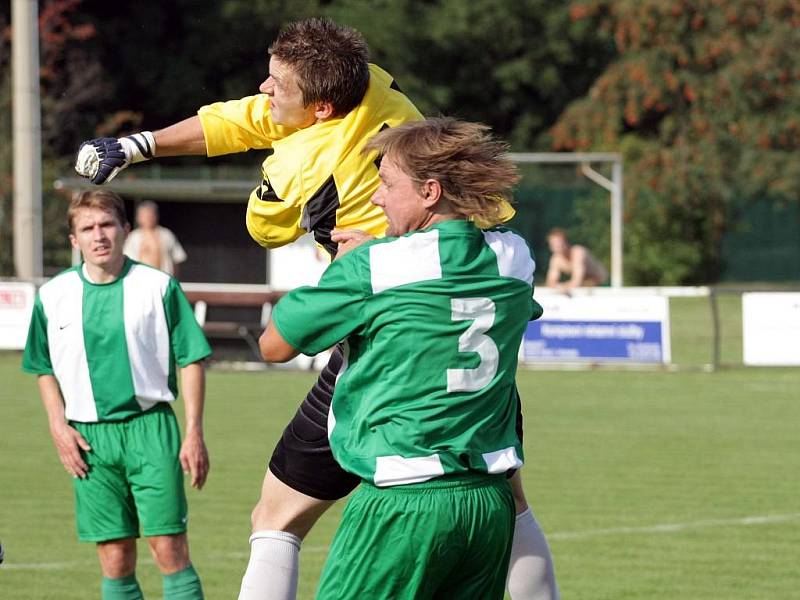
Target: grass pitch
x: 649, y: 485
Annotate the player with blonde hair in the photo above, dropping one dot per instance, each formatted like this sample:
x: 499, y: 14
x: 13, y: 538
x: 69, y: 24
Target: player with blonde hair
x: 425, y: 411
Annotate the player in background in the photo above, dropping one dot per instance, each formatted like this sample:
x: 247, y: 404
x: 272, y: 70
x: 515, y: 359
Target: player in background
x: 425, y: 408
x: 104, y: 340
x: 319, y: 105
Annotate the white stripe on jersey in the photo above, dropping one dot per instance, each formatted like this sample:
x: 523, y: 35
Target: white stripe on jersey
x: 405, y: 260
x: 147, y: 334
x: 396, y: 470
x: 501, y: 461
x: 62, y: 301
x: 342, y: 369
x: 513, y: 255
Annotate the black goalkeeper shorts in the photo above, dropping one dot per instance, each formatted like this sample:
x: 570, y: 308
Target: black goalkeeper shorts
x: 303, y: 460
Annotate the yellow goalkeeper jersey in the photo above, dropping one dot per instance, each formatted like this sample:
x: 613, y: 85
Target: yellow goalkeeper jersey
x: 315, y: 178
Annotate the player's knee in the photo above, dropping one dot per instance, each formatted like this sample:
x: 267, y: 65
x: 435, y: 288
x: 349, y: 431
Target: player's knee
x: 117, y: 558
x: 271, y: 513
x: 280, y: 514
x: 258, y: 516
x: 170, y: 552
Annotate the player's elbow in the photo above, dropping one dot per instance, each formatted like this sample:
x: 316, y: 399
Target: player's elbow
x: 256, y: 234
x: 272, y: 355
x: 269, y: 235
x: 274, y: 349
x: 269, y: 352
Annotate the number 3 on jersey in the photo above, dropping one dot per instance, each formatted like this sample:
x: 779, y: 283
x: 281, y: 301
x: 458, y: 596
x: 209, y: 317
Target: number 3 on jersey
x: 481, y: 312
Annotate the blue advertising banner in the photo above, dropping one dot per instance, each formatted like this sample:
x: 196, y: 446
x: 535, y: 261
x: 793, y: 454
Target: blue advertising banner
x: 621, y: 329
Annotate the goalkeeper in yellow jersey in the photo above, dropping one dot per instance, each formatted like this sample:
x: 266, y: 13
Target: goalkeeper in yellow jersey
x: 320, y: 103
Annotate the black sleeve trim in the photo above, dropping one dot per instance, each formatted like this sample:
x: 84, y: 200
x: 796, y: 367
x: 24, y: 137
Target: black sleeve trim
x: 319, y: 215
x: 379, y: 158
x: 266, y: 193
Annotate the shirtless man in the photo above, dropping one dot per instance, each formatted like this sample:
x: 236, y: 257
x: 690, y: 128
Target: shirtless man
x: 583, y: 269
x: 152, y: 244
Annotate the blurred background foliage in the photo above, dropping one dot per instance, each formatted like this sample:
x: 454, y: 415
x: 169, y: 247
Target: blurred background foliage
x: 701, y: 97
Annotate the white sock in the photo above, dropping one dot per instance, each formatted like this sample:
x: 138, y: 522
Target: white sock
x: 272, y: 572
x: 530, y: 571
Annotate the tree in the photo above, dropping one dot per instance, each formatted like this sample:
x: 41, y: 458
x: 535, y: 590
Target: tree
x: 703, y: 100
x: 71, y: 87
x: 163, y: 60
x: 513, y: 64
x: 6, y: 196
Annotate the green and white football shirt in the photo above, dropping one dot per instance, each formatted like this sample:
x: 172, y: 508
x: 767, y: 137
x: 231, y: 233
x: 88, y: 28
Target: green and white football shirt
x: 113, y: 347
x: 433, y: 322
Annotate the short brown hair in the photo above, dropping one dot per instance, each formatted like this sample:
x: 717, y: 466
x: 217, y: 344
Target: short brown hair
x: 557, y: 232
x: 331, y: 62
x: 471, y: 166
x: 147, y: 205
x: 103, y: 199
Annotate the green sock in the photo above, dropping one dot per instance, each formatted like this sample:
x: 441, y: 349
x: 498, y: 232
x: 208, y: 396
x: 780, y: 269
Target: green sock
x: 121, y: 588
x: 183, y: 585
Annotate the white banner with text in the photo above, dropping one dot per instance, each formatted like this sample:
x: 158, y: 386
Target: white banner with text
x: 16, y: 306
x: 632, y: 329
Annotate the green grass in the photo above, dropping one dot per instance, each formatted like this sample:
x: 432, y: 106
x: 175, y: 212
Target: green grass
x: 610, y: 455
x: 691, y: 324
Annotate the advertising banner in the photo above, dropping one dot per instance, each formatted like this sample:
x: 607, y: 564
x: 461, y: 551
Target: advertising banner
x: 16, y: 305
x: 633, y: 329
x: 771, y: 328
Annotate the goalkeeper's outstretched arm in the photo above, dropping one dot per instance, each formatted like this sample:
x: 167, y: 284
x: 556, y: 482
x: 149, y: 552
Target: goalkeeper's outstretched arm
x: 185, y: 138
x: 101, y: 159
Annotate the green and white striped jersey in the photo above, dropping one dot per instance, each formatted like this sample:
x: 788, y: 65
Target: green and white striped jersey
x: 113, y: 347
x: 433, y: 321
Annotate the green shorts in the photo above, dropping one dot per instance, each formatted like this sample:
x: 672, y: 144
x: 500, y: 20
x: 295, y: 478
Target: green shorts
x: 445, y: 538
x: 134, y: 477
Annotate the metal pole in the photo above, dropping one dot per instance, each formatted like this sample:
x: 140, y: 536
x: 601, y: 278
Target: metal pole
x: 616, y: 224
x: 716, y: 358
x: 27, y: 139
x: 615, y: 188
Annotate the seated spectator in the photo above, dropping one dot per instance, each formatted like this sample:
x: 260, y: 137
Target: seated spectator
x: 580, y: 266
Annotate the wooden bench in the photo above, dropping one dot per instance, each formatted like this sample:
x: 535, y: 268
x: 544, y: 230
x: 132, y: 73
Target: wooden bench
x: 205, y: 296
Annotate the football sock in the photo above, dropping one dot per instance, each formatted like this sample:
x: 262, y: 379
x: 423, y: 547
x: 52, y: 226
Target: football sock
x: 530, y: 571
x: 121, y: 588
x: 183, y: 585
x: 273, y: 568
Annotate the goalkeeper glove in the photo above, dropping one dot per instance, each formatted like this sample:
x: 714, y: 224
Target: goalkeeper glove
x: 100, y: 160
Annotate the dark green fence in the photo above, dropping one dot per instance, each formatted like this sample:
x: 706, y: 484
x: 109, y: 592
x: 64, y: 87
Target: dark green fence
x: 763, y: 243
